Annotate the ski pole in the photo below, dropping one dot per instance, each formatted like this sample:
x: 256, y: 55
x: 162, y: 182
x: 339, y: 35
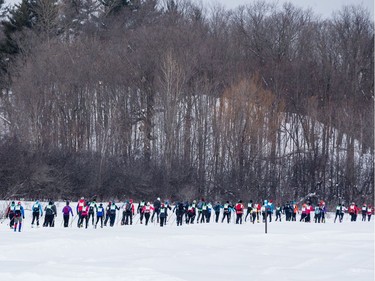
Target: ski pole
x: 132, y: 218
x: 137, y: 219
x: 117, y: 220
x: 73, y: 220
x: 174, y: 219
x: 3, y: 219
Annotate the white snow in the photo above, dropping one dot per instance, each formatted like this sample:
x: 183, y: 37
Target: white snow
x: 290, y: 251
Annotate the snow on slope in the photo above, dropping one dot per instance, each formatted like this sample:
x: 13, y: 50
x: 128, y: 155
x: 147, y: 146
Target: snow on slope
x: 290, y: 251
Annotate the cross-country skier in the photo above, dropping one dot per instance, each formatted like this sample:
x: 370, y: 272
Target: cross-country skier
x: 264, y: 210
x: 128, y: 212
x: 269, y: 208
x: 80, y: 206
x: 191, y: 214
x: 279, y: 211
x: 92, y: 208
x: 112, y: 213
x: 370, y: 211
x: 309, y: 209
x: 199, y: 209
x: 107, y: 213
x: 217, y: 208
x: 288, y: 210
x: 147, y: 210
x: 317, y: 214
x: 50, y: 214
x: 338, y: 213
x: 303, y: 212
x: 186, y: 207
x: 194, y: 205
x: 254, y: 213
x: 10, y: 213
x: 140, y: 210
x: 295, y: 211
x: 85, y: 216
x: 364, y: 212
x: 323, y: 210
x: 66, y: 211
x: 239, y: 212
x: 353, y: 211
x: 37, y: 210
x: 209, y: 211
x: 226, y: 212
x: 343, y: 210
x: 99, y: 215
x: 180, y: 210
x: 19, y: 214
x: 249, y: 209
x: 163, y: 214
x: 204, y: 212
x: 166, y: 205
x: 157, y: 204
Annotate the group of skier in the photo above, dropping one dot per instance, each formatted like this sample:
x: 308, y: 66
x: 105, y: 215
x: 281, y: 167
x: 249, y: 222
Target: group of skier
x: 366, y: 210
x: 188, y: 212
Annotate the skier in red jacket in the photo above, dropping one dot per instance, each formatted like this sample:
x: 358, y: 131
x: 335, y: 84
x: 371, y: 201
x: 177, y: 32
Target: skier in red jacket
x: 370, y: 211
x: 147, y: 210
x: 80, y: 207
x: 239, y: 212
x: 353, y: 211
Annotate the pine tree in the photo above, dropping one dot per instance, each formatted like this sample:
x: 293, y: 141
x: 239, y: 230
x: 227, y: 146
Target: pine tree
x: 20, y: 17
x: 113, y: 7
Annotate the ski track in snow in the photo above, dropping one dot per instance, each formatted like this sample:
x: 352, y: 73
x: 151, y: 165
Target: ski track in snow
x: 290, y: 251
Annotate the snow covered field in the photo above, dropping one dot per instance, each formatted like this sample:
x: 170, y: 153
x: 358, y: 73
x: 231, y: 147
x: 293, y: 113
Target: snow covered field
x: 290, y: 251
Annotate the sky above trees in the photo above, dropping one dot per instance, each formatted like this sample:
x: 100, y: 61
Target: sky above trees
x: 323, y: 8
x: 320, y: 7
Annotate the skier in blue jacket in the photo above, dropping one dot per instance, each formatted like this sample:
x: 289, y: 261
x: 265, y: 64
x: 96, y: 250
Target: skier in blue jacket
x: 99, y: 215
x: 217, y: 208
x: 37, y: 210
x: 269, y: 208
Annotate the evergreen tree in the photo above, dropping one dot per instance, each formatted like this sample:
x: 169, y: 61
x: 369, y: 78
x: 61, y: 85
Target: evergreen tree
x: 113, y: 7
x: 21, y: 16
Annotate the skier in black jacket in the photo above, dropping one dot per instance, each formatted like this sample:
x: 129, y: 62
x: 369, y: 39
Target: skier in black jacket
x: 157, y: 205
x: 180, y: 211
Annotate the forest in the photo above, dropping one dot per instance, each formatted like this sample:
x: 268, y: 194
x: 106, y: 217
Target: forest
x: 146, y: 98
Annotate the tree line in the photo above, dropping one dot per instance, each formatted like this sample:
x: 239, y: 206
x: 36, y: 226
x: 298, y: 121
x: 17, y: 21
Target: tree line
x: 136, y: 98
